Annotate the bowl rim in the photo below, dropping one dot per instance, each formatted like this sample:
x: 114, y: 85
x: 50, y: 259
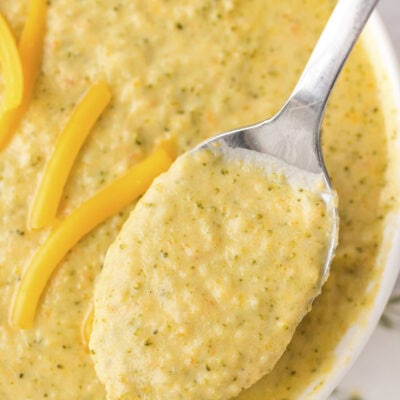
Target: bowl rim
x: 377, y: 43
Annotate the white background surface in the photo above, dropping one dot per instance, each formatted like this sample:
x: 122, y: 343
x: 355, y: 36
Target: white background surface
x: 390, y: 12
x: 376, y: 374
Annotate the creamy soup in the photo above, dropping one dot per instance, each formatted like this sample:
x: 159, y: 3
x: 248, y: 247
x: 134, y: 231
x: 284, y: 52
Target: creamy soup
x: 185, y: 70
x: 209, y: 277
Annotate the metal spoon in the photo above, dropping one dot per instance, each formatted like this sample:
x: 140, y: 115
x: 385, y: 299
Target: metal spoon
x: 293, y: 134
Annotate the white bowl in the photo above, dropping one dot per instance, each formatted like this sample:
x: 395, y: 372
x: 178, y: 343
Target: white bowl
x: 384, y: 60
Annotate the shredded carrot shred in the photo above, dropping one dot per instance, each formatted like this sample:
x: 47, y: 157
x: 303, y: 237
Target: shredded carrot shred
x: 87, y: 325
x: 65, y: 235
x: 70, y: 141
x: 30, y: 52
x: 11, y: 67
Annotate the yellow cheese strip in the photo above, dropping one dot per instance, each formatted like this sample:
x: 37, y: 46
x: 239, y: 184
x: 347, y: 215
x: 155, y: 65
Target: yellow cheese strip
x: 70, y: 141
x: 169, y: 144
x: 87, y: 325
x: 103, y: 205
x: 11, y: 68
x: 30, y: 50
x: 31, y: 43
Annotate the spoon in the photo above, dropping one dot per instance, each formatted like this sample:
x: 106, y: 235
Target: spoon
x: 294, y: 133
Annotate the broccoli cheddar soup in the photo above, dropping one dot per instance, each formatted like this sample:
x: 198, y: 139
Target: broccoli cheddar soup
x: 177, y: 72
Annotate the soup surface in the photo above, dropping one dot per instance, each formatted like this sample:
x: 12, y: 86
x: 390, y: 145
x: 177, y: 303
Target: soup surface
x: 211, y: 274
x: 186, y: 70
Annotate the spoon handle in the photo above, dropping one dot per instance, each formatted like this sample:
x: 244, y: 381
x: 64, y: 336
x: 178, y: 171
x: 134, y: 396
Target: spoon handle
x: 329, y: 55
x: 294, y: 133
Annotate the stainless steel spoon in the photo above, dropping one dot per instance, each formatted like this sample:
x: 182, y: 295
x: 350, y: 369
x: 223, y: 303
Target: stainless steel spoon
x: 293, y: 134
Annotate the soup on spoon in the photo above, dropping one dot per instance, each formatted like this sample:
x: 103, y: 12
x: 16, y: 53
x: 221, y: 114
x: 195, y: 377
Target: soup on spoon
x: 220, y: 260
x: 205, y: 285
